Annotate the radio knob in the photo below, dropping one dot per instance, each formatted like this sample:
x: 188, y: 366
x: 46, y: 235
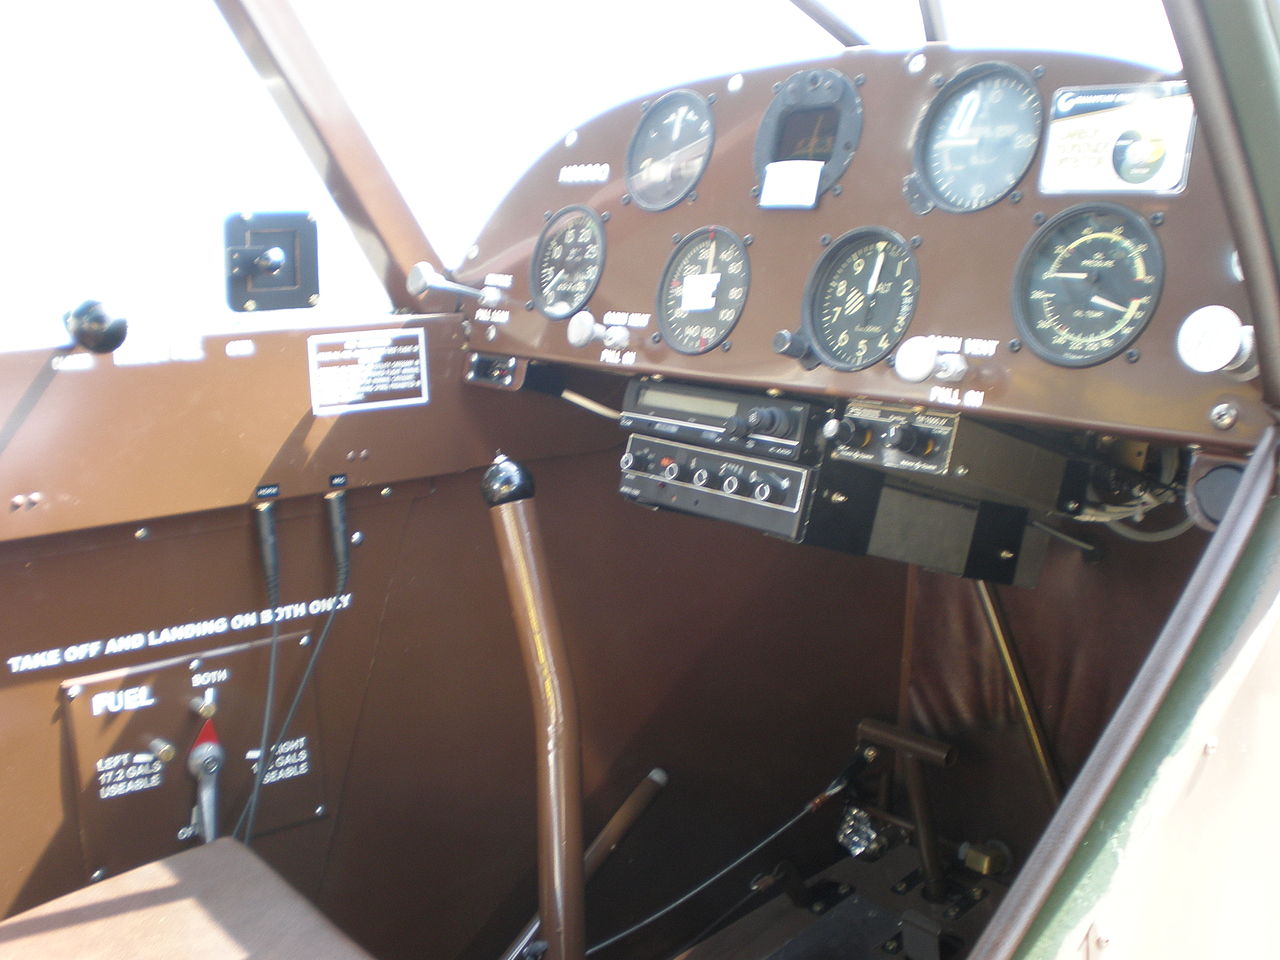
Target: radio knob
x: 847, y: 432
x: 700, y: 477
x: 767, y: 492
x: 771, y: 421
x: 908, y: 439
x: 729, y: 484
x: 675, y: 471
x: 736, y: 426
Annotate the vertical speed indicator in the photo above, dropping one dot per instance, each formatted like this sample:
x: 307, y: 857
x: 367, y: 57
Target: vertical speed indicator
x: 860, y: 298
x: 567, y: 261
x: 703, y: 289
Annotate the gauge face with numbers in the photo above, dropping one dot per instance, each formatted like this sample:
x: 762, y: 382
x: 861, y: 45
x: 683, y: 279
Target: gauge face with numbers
x: 860, y: 298
x: 703, y: 290
x: 567, y: 262
x: 1087, y: 284
x: 669, y: 150
x: 979, y: 136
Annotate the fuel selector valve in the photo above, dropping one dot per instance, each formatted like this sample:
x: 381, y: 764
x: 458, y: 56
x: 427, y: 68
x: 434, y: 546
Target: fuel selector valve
x: 205, y: 764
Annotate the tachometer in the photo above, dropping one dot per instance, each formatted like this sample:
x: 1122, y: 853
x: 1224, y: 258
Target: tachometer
x: 860, y: 298
x: 567, y: 261
x: 978, y: 136
x: 1087, y: 284
x: 703, y: 289
x: 669, y: 149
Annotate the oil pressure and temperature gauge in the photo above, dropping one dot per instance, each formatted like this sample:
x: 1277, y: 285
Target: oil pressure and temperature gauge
x: 1087, y: 284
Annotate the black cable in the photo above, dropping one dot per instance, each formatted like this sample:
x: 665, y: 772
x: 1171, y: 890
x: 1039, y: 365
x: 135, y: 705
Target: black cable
x: 336, y: 505
x: 834, y: 789
x: 264, y: 514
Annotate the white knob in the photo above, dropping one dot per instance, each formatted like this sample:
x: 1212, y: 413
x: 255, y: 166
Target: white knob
x: 916, y: 359
x: 582, y: 329
x: 951, y: 367
x: 1214, y: 339
x: 616, y: 338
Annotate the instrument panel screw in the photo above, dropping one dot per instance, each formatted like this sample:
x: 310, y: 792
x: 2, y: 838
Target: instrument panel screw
x: 837, y: 190
x: 755, y: 191
x: 777, y: 87
x: 304, y: 640
x: 1157, y: 218
x: 97, y: 875
x: 748, y: 240
x: 1133, y: 356
x: 18, y: 502
x: 320, y: 810
x: 693, y: 195
x: 357, y: 538
x: 1015, y: 345
x: 194, y: 665
x: 858, y: 81
x: 385, y: 491
x: 626, y: 199
x: 1015, y: 197
x: 676, y: 238
x: 825, y: 239
x: 869, y: 754
x: 606, y: 216
x: 655, y: 337
x: 141, y: 533
x: 250, y: 305
x: 1037, y: 218
x: 313, y: 299
x: 1224, y: 416
x: 711, y: 98
x: 1037, y: 72
x: 528, y: 304
x: 1007, y: 554
x: 916, y: 241
x: 961, y: 470
x: 937, y: 80
x: 727, y: 346
x: 1073, y: 506
x: 891, y: 946
x: 75, y: 691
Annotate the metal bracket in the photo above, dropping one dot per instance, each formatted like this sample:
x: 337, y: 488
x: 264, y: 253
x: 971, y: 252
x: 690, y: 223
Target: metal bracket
x: 272, y: 261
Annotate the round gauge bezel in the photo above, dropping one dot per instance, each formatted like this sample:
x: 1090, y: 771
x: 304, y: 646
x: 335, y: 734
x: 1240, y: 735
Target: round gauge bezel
x: 535, y: 287
x: 662, y: 104
x: 950, y: 90
x: 816, y: 282
x: 1135, y: 225
x: 813, y: 90
x: 664, y: 322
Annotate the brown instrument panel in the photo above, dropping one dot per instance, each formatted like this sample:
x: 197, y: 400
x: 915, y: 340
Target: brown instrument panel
x: 967, y: 261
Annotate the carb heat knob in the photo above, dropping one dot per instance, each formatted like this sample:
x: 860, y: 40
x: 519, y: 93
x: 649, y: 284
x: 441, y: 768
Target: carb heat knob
x: 905, y: 438
x: 771, y: 421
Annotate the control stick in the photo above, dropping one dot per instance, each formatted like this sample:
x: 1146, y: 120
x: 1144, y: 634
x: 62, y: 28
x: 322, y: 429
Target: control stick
x: 508, y: 489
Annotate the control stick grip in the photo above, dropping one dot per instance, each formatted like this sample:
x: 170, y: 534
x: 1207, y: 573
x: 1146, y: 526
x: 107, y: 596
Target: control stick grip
x: 508, y: 489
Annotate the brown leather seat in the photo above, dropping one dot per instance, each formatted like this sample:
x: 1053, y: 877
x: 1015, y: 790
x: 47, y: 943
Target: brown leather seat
x: 213, y: 902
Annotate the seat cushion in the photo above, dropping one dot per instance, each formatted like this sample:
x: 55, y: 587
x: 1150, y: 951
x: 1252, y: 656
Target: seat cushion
x: 213, y: 901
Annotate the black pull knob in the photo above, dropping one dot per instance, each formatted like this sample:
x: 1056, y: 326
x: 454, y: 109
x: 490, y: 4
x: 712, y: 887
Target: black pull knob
x: 771, y: 421
x: 94, y: 329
